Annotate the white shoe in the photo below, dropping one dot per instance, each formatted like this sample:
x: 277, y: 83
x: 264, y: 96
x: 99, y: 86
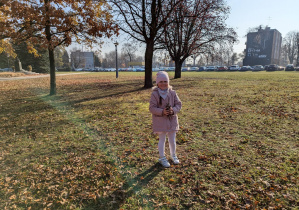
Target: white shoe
x: 164, y: 162
x: 175, y: 159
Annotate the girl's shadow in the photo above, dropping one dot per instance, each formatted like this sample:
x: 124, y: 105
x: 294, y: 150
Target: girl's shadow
x: 131, y: 187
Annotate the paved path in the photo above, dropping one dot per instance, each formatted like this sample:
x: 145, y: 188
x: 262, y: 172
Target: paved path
x: 36, y: 76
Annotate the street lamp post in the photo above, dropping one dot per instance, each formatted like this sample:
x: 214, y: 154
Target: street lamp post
x: 116, y: 43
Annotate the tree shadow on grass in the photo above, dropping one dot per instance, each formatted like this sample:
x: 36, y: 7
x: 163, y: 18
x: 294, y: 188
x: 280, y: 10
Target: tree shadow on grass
x: 117, y: 198
x: 96, y: 97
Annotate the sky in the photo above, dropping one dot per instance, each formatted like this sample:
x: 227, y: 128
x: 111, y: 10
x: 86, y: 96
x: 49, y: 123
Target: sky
x: 282, y: 15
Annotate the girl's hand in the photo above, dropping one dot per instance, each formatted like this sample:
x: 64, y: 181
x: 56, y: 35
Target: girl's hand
x: 166, y: 112
x: 171, y: 112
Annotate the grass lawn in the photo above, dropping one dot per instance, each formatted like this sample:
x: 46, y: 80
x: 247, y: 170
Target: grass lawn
x: 11, y: 74
x: 92, y: 147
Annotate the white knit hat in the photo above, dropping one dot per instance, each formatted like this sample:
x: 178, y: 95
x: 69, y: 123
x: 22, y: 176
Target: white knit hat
x: 162, y: 76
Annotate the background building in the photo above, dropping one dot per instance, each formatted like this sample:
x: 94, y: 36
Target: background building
x: 83, y: 60
x: 263, y: 47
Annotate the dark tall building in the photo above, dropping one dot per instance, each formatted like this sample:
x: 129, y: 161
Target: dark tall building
x: 263, y: 47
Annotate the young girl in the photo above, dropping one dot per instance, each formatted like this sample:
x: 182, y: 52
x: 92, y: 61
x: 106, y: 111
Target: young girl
x: 164, y: 106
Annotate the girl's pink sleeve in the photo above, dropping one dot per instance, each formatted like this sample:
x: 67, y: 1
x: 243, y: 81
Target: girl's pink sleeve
x: 177, y: 104
x: 153, y: 107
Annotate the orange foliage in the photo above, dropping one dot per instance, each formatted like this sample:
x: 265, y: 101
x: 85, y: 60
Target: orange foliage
x: 50, y: 23
x: 69, y: 20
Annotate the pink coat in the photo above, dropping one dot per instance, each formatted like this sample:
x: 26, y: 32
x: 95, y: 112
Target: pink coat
x: 162, y: 123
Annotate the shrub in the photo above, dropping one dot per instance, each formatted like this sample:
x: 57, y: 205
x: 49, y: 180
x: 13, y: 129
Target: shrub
x: 29, y: 68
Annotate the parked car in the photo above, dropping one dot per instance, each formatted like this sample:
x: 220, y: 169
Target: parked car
x: 140, y: 69
x: 290, y: 67
x: 211, y: 68
x: 163, y: 68
x: 245, y: 68
x: 194, y: 68
x: 131, y: 69
x: 297, y: 68
x: 202, y: 68
x: 155, y: 69
x: 258, y: 68
x: 185, y: 68
x: 280, y: 68
x: 266, y: 67
x: 6, y: 69
x: 222, y: 68
x: 234, y: 68
x: 272, y: 67
x: 97, y: 69
x: 110, y: 69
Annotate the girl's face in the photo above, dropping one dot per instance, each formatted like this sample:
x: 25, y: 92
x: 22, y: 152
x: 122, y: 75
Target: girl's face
x: 163, y: 85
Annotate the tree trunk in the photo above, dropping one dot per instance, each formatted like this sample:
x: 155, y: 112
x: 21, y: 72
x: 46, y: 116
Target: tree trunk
x: 52, y: 62
x: 178, y: 69
x: 18, y: 65
x: 50, y: 50
x: 149, y: 51
x: 52, y: 72
x: 291, y: 59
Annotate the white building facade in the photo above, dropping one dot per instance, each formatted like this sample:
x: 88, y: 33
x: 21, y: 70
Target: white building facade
x: 82, y: 60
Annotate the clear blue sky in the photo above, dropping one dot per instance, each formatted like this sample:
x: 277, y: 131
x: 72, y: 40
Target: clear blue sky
x: 282, y: 15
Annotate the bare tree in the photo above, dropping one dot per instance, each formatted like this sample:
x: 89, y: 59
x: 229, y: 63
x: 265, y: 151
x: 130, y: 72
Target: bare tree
x: 228, y: 54
x: 297, y: 42
x: 222, y: 54
x: 283, y: 55
x: 110, y: 59
x: 124, y: 59
x: 77, y: 59
x: 196, y: 27
x: 201, y: 61
x: 104, y: 63
x: 290, y: 44
x: 144, y: 20
x: 233, y: 58
x: 240, y: 57
x: 129, y: 50
x: 139, y: 59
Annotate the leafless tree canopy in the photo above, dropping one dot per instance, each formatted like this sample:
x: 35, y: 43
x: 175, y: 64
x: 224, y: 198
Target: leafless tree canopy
x: 144, y: 20
x: 290, y: 45
x: 195, y: 27
x: 129, y: 50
